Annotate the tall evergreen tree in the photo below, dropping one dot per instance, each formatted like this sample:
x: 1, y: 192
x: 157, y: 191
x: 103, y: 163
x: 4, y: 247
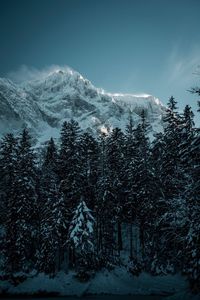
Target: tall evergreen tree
x: 145, y: 183
x: 20, y: 224
x: 169, y: 156
x: 115, y: 164
x: 105, y: 216
x: 171, y: 159
x: 53, y: 231
x: 26, y: 197
x: 52, y: 215
x: 89, y: 166
x: 8, y: 161
x: 187, y: 136
x: 70, y: 170
x: 192, y: 245
x: 81, y: 234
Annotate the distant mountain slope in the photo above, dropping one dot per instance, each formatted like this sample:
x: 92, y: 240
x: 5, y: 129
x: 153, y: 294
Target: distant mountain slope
x: 44, y: 104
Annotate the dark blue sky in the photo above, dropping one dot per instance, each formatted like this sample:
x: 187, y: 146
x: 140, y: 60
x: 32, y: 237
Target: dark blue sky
x: 143, y: 46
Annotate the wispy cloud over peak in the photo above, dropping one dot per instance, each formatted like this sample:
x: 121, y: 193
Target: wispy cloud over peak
x: 25, y: 73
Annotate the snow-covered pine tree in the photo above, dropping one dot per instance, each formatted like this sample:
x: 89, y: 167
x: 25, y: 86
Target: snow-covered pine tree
x: 129, y: 171
x: 52, y: 215
x: 81, y: 235
x: 146, y: 190
x: 192, y: 245
x: 187, y: 136
x: 115, y: 164
x: 157, y: 242
x: 171, y: 171
x: 89, y: 166
x: 25, y: 198
x: 179, y: 208
x: 70, y: 171
x: 105, y: 216
x: 53, y: 231
x: 170, y: 222
x: 172, y: 183
x: 21, y: 221
x: 9, y: 212
x: 157, y: 154
x: 7, y: 170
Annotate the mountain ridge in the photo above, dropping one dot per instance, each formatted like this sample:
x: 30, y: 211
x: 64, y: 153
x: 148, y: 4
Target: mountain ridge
x: 43, y: 104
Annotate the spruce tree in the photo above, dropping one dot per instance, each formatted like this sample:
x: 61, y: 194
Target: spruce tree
x: 105, y: 216
x: 26, y: 197
x: 89, y: 167
x: 115, y: 164
x: 192, y: 245
x: 171, y: 159
x: 169, y: 156
x: 7, y: 170
x: 9, y: 213
x: 70, y: 171
x: 53, y: 231
x: 146, y: 190
x: 129, y: 171
x: 187, y: 137
x: 81, y: 235
x: 52, y: 215
x: 21, y: 222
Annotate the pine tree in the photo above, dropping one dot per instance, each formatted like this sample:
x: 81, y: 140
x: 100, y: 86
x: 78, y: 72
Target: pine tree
x: 157, y: 155
x: 146, y: 191
x: 7, y: 170
x: 20, y: 223
x: 171, y: 160
x: 158, y: 257
x: 169, y: 150
x: 115, y: 164
x: 89, y: 167
x: 105, y: 216
x: 25, y: 197
x: 170, y: 178
x: 187, y: 136
x: 81, y: 234
x: 52, y: 215
x: 53, y: 231
x: 70, y: 171
x: 8, y: 159
x: 192, y: 245
x: 129, y: 171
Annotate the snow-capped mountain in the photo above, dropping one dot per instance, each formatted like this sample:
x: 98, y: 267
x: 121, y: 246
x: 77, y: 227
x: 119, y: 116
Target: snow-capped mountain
x: 44, y: 104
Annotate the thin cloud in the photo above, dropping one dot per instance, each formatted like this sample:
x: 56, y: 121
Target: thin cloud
x: 25, y: 73
x: 181, y: 68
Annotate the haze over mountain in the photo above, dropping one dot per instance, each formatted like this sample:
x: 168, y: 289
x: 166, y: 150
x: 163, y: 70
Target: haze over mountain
x: 43, y: 104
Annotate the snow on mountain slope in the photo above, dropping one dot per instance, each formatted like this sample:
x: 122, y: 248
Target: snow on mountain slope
x: 44, y: 104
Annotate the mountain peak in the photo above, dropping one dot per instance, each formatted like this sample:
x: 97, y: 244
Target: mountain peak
x: 61, y: 94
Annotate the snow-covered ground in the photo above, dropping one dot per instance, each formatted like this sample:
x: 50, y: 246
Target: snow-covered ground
x: 116, y: 282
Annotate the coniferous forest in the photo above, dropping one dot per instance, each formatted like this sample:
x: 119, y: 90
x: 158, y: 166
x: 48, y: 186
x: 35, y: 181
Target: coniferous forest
x: 66, y: 206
